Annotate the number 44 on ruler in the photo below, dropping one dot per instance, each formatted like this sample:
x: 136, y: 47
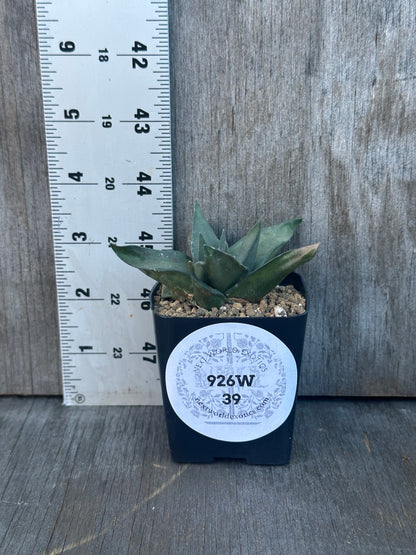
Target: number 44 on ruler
x: 107, y: 121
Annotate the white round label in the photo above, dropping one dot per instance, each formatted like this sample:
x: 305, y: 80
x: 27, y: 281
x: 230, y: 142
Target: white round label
x: 232, y: 381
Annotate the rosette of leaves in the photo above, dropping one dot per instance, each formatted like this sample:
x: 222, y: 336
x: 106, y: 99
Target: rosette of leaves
x: 215, y: 272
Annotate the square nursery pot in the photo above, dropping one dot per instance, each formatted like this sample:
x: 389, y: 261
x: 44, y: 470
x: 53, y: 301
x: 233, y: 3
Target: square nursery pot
x: 229, y: 384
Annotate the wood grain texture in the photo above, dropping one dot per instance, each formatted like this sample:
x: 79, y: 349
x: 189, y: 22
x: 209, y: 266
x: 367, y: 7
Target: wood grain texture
x: 29, y: 343
x: 286, y: 109
x: 280, y: 109
x: 100, y: 480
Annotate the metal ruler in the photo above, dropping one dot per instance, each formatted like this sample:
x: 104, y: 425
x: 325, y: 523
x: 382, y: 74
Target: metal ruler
x: 105, y: 81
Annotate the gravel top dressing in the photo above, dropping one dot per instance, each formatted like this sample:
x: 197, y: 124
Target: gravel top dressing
x: 282, y: 301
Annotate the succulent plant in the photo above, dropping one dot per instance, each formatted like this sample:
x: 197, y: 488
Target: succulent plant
x: 216, y: 272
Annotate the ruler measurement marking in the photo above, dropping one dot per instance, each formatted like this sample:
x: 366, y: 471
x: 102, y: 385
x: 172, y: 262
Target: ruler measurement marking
x: 149, y: 352
x: 66, y: 55
x: 84, y: 300
x: 71, y: 120
x: 88, y: 353
x: 147, y: 243
x: 144, y: 54
x: 145, y: 121
x: 138, y: 183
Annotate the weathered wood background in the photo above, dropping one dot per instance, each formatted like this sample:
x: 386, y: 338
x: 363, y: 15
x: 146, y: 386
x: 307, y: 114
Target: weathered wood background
x: 280, y: 109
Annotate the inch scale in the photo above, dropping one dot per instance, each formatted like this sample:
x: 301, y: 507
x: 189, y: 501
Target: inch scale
x: 105, y: 82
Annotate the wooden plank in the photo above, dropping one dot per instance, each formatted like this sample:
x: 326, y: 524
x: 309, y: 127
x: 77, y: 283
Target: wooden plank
x: 100, y: 480
x: 29, y: 344
x: 286, y: 109
x: 280, y: 109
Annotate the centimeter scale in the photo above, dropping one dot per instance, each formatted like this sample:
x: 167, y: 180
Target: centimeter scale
x: 105, y: 81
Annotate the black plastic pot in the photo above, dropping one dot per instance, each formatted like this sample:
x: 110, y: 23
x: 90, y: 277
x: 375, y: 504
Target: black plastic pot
x: 187, y: 444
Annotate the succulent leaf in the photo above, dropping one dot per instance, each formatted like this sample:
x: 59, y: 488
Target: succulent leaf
x: 272, y: 240
x: 205, y: 295
x: 200, y: 226
x: 168, y: 267
x: 223, y: 245
x: 167, y: 293
x: 198, y: 269
x: 198, y: 248
x: 255, y: 285
x: 220, y: 269
x: 201, y: 245
x: 245, y: 249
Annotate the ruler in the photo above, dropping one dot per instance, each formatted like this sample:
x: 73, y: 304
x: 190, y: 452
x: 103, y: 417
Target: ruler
x: 105, y: 83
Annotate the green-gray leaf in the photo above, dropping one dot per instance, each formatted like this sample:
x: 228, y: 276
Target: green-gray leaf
x: 272, y: 240
x: 221, y: 270
x: 201, y: 226
x: 223, y: 245
x: 168, y: 267
x: 206, y: 296
x: 257, y: 284
x: 198, y: 269
x: 245, y: 249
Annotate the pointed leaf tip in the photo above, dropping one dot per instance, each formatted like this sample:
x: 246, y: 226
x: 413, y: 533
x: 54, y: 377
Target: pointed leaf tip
x: 167, y: 267
x: 245, y: 249
x: 256, y: 285
x: 200, y: 226
x: 272, y: 240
